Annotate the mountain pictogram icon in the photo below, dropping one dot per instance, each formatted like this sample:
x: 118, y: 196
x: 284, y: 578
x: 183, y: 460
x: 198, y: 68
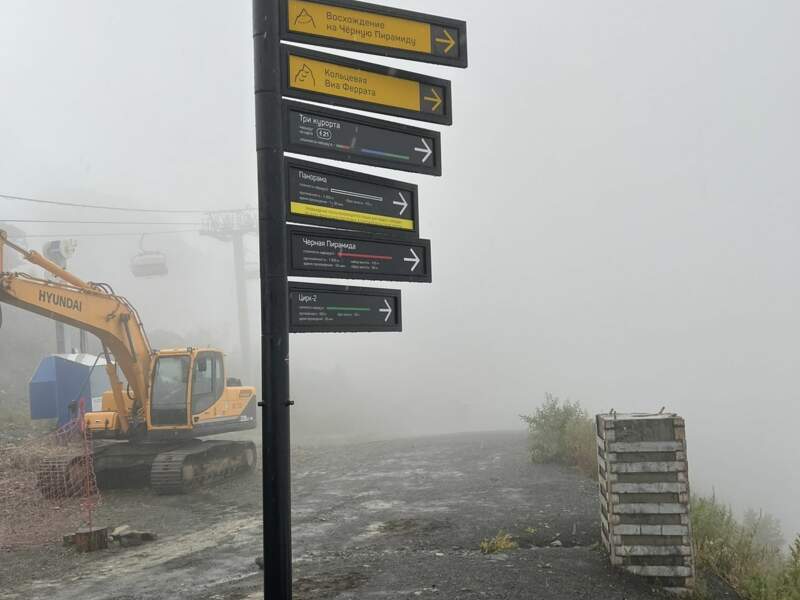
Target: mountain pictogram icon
x: 305, y: 73
x: 305, y: 18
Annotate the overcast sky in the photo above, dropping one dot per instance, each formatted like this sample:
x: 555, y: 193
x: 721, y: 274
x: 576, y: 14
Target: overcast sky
x: 617, y: 222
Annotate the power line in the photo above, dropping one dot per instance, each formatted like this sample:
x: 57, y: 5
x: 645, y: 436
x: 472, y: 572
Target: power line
x: 99, y: 222
x: 125, y: 233
x: 119, y: 208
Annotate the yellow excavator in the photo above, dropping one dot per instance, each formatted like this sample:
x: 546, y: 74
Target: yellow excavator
x: 149, y: 423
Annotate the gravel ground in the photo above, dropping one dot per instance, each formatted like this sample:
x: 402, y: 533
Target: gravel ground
x: 389, y: 519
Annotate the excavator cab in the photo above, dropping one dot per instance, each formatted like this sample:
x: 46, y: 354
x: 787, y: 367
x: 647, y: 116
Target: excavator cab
x: 190, y: 392
x: 169, y: 399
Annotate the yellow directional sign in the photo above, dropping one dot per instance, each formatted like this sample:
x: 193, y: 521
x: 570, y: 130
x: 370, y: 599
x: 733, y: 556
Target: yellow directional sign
x: 357, y: 84
x: 341, y: 23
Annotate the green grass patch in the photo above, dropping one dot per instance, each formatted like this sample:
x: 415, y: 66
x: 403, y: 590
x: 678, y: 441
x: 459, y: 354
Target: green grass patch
x: 14, y: 412
x: 502, y: 542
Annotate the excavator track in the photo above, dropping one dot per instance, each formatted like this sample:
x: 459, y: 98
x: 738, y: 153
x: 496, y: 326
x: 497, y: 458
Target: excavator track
x: 199, y: 465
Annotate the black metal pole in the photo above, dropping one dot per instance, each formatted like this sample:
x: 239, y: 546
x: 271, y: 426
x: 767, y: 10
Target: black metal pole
x: 241, y: 299
x: 274, y: 303
x: 61, y: 339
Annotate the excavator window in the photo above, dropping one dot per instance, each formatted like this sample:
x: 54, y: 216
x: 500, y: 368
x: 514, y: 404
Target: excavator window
x: 168, y: 406
x: 207, y: 381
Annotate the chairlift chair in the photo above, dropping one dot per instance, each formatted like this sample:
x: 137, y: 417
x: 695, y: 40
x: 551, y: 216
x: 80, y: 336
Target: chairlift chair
x: 149, y: 263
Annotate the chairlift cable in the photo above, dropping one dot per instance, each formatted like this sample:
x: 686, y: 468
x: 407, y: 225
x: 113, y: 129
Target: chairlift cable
x: 105, y: 234
x: 121, y: 208
x: 101, y: 222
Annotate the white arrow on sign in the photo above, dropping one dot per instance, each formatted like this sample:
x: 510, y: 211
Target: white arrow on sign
x: 387, y: 310
x: 402, y: 202
x: 426, y: 150
x: 413, y: 259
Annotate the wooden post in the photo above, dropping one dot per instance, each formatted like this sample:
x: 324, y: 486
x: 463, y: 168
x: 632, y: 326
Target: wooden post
x: 91, y: 539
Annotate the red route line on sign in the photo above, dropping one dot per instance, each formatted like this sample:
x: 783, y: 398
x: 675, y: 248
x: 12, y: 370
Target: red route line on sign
x: 374, y: 256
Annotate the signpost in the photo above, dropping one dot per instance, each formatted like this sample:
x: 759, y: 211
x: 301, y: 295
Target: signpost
x: 341, y: 255
x: 322, y: 195
x: 337, y: 199
x: 375, y: 29
x: 317, y: 308
x: 321, y: 77
x: 346, y: 136
x: 274, y: 392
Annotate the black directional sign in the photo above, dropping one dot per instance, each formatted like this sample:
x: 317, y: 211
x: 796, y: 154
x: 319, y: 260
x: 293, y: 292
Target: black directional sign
x: 340, y: 81
x: 317, y: 308
x: 354, y: 226
x: 322, y: 195
x: 375, y: 29
x: 349, y: 137
x: 318, y: 252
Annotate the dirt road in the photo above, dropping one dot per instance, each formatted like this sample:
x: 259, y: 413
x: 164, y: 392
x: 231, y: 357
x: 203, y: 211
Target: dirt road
x: 391, y: 519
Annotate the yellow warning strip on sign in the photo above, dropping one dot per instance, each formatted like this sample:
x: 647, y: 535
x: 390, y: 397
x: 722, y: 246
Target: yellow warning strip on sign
x: 359, y: 26
x: 309, y: 210
x: 345, y: 82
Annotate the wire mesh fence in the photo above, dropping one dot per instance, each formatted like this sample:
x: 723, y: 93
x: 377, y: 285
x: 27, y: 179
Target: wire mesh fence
x: 48, y: 487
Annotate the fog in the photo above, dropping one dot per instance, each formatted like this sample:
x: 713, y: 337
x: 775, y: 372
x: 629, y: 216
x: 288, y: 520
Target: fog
x: 616, y: 224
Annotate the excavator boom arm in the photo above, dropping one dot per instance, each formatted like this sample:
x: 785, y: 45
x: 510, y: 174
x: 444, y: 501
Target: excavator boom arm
x: 91, y: 308
x: 41, y: 261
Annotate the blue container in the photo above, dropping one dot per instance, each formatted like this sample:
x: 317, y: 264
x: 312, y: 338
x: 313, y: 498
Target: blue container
x: 61, y: 381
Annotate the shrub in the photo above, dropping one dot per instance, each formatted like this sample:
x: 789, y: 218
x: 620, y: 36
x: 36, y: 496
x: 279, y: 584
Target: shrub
x: 790, y: 579
x: 562, y: 433
x: 747, y: 555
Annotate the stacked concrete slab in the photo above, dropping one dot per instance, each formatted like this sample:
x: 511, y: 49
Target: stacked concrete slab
x: 644, y: 497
